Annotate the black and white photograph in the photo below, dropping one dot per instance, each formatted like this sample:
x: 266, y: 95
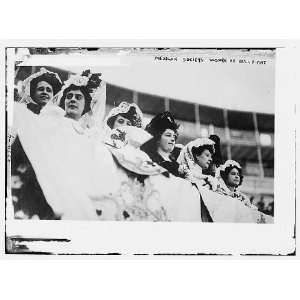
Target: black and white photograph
x: 166, y: 147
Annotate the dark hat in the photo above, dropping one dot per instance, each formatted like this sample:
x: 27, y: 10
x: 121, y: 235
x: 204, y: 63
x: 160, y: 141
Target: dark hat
x: 161, y: 122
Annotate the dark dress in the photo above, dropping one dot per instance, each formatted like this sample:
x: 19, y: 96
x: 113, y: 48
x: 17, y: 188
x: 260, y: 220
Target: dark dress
x: 171, y: 166
x: 35, y: 108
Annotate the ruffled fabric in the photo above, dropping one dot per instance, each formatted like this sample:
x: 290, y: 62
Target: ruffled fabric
x: 25, y: 93
x: 83, y: 181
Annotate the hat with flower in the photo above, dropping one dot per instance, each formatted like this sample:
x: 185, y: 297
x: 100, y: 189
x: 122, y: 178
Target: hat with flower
x: 87, y: 82
x: 94, y: 91
x: 128, y: 110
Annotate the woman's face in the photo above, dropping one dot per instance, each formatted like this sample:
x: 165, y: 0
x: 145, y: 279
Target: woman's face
x: 121, y: 121
x: 167, y: 141
x: 74, y: 104
x: 43, y: 93
x: 233, y: 178
x: 204, y: 159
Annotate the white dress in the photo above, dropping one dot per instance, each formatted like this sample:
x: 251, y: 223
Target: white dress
x: 221, y: 206
x: 82, y: 180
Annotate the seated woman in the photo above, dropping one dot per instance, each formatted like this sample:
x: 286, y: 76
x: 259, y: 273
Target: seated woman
x: 231, y: 178
x: 196, y: 157
x: 29, y: 200
x: 161, y: 147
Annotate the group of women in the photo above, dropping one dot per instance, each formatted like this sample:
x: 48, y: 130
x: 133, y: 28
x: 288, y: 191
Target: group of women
x: 63, y: 167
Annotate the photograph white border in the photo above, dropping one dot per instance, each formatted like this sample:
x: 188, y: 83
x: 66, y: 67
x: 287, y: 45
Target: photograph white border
x: 189, y: 238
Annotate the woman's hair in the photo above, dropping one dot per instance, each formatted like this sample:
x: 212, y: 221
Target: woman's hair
x: 49, y: 78
x: 130, y: 115
x: 196, y: 151
x: 224, y: 174
x: 85, y: 92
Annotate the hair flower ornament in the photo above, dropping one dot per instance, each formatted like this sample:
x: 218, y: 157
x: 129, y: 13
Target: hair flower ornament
x: 88, y: 82
x: 77, y: 80
x: 87, y: 79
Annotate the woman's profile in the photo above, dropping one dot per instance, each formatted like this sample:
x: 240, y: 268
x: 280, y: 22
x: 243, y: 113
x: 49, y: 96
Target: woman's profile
x: 196, y: 157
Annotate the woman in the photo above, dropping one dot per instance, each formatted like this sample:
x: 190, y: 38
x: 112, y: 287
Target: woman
x: 39, y: 88
x: 231, y: 178
x: 196, y: 157
x: 29, y: 200
x: 76, y: 95
x: 55, y: 129
x: 161, y: 147
x: 193, y: 159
